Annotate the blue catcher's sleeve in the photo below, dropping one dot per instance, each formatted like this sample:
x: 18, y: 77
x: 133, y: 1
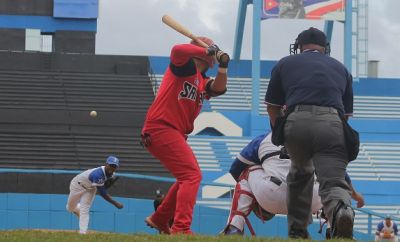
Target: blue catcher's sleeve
x: 379, y: 227
x: 247, y: 157
x: 249, y: 154
x: 237, y: 168
x: 102, y: 190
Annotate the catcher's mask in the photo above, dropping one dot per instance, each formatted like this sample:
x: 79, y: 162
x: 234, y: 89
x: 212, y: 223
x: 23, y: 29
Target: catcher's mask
x: 311, y: 36
x: 209, y: 59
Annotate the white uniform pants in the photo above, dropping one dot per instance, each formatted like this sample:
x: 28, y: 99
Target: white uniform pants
x: 270, y: 196
x: 79, y: 201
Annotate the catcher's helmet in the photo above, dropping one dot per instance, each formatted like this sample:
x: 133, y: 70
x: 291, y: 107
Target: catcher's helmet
x: 311, y: 36
x: 209, y: 59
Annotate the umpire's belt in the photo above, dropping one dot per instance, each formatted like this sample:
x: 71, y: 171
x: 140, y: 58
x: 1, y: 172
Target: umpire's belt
x: 315, y: 109
x: 275, y: 180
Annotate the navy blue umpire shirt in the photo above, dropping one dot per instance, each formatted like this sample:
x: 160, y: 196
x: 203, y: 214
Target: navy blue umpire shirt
x: 311, y: 78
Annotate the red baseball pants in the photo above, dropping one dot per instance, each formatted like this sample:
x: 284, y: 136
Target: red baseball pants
x: 170, y: 147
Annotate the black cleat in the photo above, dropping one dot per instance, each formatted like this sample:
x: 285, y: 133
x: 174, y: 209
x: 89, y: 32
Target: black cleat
x: 343, y: 221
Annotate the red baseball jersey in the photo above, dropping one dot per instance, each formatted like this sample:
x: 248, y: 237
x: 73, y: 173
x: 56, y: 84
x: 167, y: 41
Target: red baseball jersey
x: 181, y: 93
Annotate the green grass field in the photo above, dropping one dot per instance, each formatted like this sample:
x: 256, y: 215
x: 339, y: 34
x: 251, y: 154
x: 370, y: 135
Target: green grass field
x: 69, y: 236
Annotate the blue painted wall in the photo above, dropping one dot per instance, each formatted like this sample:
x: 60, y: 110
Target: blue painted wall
x: 47, y: 211
x: 240, y: 68
x: 377, y: 87
x: 81, y: 9
x: 378, y: 192
x: 384, y: 130
x: 47, y: 23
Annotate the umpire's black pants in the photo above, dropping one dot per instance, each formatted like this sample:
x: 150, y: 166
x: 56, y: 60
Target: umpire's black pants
x: 315, y: 141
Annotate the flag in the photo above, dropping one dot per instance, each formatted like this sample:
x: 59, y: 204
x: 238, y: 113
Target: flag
x: 304, y: 9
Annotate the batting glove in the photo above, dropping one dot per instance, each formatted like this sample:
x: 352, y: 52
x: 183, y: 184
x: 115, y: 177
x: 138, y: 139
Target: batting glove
x: 223, y: 59
x: 212, y: 50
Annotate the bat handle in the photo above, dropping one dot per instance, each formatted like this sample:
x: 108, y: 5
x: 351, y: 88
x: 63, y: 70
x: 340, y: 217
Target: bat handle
x: 199, y: 41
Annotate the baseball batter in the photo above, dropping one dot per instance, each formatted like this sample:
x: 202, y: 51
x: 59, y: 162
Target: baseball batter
x: 171, y: 118
x: 260, y: 170
x: 83, y: 189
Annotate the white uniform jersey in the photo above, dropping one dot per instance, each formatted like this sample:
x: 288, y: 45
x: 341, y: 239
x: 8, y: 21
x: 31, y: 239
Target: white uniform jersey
x: 92, y: 178
x: 273, y: 166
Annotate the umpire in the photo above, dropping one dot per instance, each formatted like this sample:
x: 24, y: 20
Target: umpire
x: 316, y: 89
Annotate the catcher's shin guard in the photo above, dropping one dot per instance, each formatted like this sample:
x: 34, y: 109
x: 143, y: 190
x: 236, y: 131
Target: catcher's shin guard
x: 242, y: 202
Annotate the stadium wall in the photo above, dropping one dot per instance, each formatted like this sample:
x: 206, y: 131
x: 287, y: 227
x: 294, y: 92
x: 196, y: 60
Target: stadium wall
x: 49, y: 15
x: 47, y: 211
x: 46, y: 24
x: 241, y: 68
x: 370, y: 129
x: 388, y: 87
x: 27, y: 7
x: 89, y: 63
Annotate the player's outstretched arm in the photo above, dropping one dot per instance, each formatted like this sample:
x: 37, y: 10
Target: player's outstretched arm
x: 109, y: 199
x: 103, y: 192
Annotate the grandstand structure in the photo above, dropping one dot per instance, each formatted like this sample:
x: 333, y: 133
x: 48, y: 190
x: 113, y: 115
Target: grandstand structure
x: 46, y: 123
x: 48, y: 88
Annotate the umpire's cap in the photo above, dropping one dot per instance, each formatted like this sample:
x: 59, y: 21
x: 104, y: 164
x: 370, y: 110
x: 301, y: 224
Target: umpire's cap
x: 312, y: 36
x: 112, y: 160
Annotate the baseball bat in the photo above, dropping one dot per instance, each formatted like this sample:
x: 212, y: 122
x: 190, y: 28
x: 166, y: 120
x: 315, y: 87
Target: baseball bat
x: 168, y: 20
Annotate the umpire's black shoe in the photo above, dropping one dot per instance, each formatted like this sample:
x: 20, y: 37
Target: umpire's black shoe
x: 299, y: 234
x: 343, y: 221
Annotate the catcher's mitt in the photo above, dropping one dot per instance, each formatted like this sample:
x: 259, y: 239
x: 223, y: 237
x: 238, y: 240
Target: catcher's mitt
x: 261, y: 213
x: 109, y: 182
x: 387, y: 235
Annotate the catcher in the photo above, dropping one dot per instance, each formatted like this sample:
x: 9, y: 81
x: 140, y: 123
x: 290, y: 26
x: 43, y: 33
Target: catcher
x: 386, y: 230
x: 83, y: 189
x: 260, y: 171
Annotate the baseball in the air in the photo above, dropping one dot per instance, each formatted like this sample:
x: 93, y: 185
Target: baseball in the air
x: 93, y: 114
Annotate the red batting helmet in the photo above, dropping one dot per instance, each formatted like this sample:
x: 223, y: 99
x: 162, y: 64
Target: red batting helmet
x: 209, y: 59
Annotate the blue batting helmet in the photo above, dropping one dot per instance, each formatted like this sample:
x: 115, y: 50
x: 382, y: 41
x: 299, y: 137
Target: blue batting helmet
x: 112, y: 160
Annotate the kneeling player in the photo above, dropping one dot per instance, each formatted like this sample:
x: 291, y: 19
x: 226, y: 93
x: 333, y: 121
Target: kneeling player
x: 260, y: 171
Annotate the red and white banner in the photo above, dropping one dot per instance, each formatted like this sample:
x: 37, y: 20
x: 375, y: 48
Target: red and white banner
x: 304, y: 9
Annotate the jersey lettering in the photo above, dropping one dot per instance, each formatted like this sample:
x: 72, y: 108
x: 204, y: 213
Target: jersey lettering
x: 189, y: 91
x: 201, y: 99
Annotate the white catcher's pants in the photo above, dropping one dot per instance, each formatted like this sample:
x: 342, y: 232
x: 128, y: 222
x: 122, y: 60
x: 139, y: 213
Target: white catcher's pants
x: 380, y: 238
x: 269, y: 196
x: 80, y: 200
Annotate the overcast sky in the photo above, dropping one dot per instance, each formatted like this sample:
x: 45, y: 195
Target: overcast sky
x: 134, y: 27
